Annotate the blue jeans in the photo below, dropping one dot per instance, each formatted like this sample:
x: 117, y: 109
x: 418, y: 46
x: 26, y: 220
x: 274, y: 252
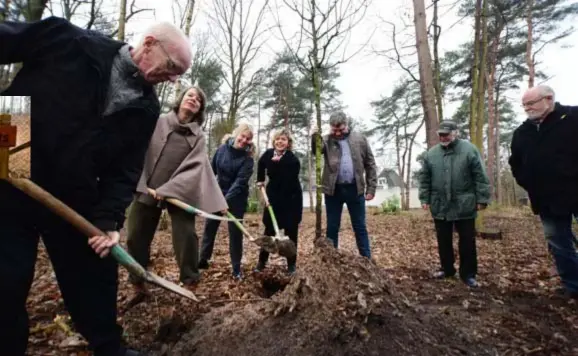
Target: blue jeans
x: 347, y: 193
x: 561, y: 244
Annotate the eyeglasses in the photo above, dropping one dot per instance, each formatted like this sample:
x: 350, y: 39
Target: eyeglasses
x: 171, y: 65
x: 532, y: 102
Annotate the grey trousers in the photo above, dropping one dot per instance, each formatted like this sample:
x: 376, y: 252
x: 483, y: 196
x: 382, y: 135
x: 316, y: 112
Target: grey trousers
x: 142, y: 222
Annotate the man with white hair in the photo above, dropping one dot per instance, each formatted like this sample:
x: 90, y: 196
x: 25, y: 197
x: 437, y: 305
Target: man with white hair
x: 453, y: 186
x: 544, y: 162
x: 93, y: 111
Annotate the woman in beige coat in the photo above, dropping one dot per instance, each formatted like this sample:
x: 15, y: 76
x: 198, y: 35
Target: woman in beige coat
x: 176, y: 166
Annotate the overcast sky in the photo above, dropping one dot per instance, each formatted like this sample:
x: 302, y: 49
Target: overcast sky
x: 367, y: 77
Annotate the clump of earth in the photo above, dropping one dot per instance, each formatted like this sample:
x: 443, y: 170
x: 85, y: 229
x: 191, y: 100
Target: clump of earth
x: 336, y: 304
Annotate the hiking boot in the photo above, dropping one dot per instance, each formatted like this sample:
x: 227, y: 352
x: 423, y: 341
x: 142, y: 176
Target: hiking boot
x: 441, y: 275
x: 471, y: 282
x: 203, y: 264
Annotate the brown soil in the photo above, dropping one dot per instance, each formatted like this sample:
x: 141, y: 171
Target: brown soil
x: 341, y: 304
x: 338, y: 304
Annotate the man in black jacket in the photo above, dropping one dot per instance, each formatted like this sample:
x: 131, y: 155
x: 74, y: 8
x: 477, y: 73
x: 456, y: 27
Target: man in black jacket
x: 544, y: 162
x: 93, y: 111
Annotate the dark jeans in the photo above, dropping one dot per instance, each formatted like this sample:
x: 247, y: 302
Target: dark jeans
x: 87, y: 282
x: 292, y: 234
x: 142, y: 224
x: 466, y: 245
x: 561, y: 244
x: 237, y: 207
x: 347, y: 194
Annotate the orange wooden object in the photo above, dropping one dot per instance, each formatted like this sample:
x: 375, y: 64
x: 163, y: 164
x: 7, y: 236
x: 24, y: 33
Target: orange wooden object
x: 7, y: 140
x: 7, y: 136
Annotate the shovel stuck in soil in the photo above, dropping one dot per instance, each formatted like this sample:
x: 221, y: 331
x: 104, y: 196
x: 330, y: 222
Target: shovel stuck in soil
x: 268, y: 243
x: 280, y: 241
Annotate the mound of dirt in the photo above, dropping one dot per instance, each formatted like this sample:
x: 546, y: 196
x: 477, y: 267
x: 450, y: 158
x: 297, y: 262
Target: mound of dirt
x: 337, y: 304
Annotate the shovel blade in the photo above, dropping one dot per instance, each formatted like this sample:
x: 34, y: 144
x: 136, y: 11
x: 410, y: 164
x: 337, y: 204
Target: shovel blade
x: 161, y: 282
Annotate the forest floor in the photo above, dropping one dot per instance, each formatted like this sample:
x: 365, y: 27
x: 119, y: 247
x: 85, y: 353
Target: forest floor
x: 339, y: 303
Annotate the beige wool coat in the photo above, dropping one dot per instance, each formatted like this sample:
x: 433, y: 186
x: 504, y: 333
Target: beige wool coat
x: 193, y: 182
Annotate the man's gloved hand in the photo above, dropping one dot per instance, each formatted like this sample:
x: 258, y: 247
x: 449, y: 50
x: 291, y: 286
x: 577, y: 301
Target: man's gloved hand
x: 102, y: 244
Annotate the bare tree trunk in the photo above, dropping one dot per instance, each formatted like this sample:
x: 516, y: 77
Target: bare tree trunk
x: 400, y: 165
x: 437, y: 75
x: 310, y: 171
x: 318, y: 144
x: 122, y: 20
x: 492, y: 116
x: 474, y: 74
x: 480, y: 120
x: 259, y: 122
x: 529, y: 58
x: 187, y: 30
x: 425, y: 73
x: 497, y: 146
x: 322, y: 32
x: 35, y: 10
x: 409, y: 158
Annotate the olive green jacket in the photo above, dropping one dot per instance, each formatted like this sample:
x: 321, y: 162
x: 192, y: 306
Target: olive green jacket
x: 453, y: 181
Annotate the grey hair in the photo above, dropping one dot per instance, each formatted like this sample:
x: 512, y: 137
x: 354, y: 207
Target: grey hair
x: 338, y: 118
x: 545, y: 90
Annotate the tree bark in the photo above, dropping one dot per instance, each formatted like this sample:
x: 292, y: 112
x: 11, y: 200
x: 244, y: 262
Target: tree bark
x: 474, y: 73
x: 187, y: 30
x: 480, y: 120
x: 437, y: 74
x: 492, y: 160
x: 122, y: 21
x: 425, y: 73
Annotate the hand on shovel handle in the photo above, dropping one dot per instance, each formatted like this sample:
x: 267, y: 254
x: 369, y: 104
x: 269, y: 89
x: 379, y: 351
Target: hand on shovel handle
x: 89, y: 230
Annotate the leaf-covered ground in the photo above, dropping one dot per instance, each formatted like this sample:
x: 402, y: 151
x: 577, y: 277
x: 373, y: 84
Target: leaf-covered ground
x: 515, y: 312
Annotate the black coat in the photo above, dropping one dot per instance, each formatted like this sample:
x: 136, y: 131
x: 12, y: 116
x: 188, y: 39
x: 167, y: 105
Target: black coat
x: 544, y: 161
x: 284, y: 189
x: 90, y: 161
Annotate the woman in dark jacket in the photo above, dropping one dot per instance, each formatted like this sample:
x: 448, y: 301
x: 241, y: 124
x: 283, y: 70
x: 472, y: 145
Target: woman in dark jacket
x: 233, y: 165
x: 284, y: 191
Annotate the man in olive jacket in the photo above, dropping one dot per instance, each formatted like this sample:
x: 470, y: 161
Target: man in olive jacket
x: 453, y: 185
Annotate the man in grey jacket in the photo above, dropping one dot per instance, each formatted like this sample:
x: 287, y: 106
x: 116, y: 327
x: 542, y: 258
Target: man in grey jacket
x: 347, y: 157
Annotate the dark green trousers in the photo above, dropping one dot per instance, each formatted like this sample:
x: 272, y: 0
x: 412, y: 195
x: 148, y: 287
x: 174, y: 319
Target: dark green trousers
x: 142, y: 222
